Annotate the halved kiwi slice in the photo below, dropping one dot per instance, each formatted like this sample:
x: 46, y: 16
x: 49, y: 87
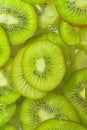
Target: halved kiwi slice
x: 8, y: 127
x: 47, y: 14
x: 54, y: 124
x: 73, y: 11
x: 4, y: 47
x: 74, y: 90
x: 6, y: 112
x: 43, y: 65
x: 79, y: 61
x: 19, y: 80
x: 33, y: 112
x: 19, y: 19
x: 8, y: 93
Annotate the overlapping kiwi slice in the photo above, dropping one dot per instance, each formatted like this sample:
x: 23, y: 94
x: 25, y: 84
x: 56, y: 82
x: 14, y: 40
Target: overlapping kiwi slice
x: 8, y: 127
x: 54, y: 124
x: 68, y: 33
x: 74, y: 90
x: 19, y: 19
x: 19, y: 80
x: 73, y: 11
x: 8, y: 93
x: 33, y: 112
x: 43, y: 65
x: 6, y: 112
x: 47, y: 14
x: 79, y: 61
x: 4, y: 47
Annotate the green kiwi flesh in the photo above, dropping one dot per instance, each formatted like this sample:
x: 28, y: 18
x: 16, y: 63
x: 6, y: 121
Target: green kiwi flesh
x: 8, y: 127
x: 83, y: 38
x: 74, y: 90
x: 8, y: 93
x: 19, y: 20
x: 6, y: 112
x: 73, y: 11
x: 4, y: 47
x: 68, y: 33
x: 79, y: 61
x: 35, y: 1
x: 47, y: 14
x: 19, y: 80
x: 33, y: 112
x: 43, y: 65
x: 54, y: 124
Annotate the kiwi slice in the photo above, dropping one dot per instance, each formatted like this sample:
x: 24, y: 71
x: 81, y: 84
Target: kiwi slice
x: 79, y: 61
x: 35, y: 1
x: 19, y: 19
x: 33, y: 112
x: 43, y: 65
x: 54, y: 124
x: 73, y: 11
x: 83, y: 38
x: 69, y: 34
x: 19, y: 80
x: 6, y: 112
x: 8, y: 127
x: 8, y: 93
x: 47, y: 14
x: 4, y: 47
x: 74, y: 90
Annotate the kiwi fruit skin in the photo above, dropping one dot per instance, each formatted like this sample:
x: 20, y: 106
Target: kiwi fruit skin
x: 6, y: 112
x: 72, y: 11
x: 74, y: 90
x: 4, y: 47
x: 19, y: 80
x: 33, y: 112
x: 8, y: 127
x: 20, y: 20
x: 34, y: 71
x: 54, y: 124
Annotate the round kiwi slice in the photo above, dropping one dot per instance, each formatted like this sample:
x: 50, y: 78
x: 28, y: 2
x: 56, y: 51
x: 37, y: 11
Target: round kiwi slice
x: 8, y: 127
x: 47, y: 14
x: 79, y: 61
x: 43, y: 65
x: 19, y: 80
x: 8, y: 93
x: 74, y: 90
x: 19, y: 19
x: 68, y: 33
x: 73, y: 11
x: 56, y: 39
x: 6, y: 112
x: 54, y: 124
x: 4, y: 47
x: 35, y: 1
x: 33, y: 112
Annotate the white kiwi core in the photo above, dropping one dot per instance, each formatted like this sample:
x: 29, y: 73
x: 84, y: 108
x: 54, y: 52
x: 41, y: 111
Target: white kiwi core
x: 40, y: 65
x: 8, y: 19
x: 3, y: 81
x: 44, y: 115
